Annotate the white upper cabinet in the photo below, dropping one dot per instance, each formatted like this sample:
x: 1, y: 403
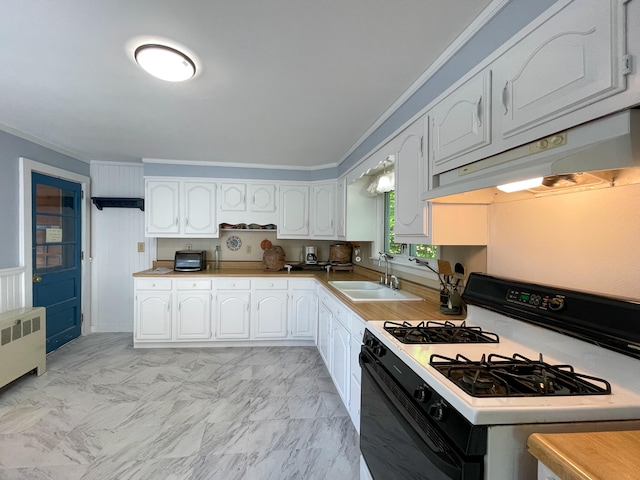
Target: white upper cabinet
x: 262, y: 197
x: 411, y: 181
x: 341, y: 209
x: 180, y: 208
x: 162, y: 199
x: 572, y: 60
x: 200, y: 209
x: 460, y: 123
x: 294, y: 211
x: 233, y: 197
x: 323, y: 200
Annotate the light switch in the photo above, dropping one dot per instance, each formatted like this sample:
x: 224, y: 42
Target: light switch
x: 141, y: 247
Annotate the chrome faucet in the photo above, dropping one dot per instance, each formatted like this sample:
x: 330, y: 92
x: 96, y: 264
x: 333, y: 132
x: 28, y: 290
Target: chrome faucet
x: 385, y: 256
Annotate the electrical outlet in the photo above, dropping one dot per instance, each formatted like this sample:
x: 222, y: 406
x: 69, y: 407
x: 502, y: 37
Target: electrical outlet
x: 248, y: 248
x: 140, y: 247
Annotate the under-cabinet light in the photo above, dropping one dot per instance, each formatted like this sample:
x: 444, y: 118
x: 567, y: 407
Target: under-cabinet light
x: 521, y: 185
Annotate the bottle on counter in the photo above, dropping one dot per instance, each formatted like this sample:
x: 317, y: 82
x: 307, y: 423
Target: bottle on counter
x: 216, y: 258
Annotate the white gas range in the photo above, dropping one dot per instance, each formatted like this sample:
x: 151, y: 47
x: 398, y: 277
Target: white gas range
x: 473, y: 429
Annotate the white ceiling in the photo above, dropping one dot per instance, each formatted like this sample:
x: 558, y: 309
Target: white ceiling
x: 279, y: 82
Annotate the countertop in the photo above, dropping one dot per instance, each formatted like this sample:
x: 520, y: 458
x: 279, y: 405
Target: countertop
x: 589, y: 455
x: 368, y: 311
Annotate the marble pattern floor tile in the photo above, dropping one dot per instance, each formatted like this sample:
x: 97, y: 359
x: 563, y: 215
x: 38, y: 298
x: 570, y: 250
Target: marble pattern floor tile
x: 104, y: 410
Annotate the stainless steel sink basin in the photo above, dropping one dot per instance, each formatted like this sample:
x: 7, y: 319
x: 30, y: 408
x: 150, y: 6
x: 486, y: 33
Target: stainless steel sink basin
x: 358, y: 291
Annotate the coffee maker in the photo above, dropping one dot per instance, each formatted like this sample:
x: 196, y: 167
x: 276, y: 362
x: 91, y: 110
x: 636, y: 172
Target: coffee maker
x: 310, y: 256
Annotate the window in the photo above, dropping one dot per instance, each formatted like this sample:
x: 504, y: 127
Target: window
x: 413, y: 250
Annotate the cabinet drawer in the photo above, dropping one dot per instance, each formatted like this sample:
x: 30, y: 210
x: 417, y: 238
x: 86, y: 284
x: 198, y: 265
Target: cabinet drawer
x: 153, y: 284
x: 233, y: 283
x: 303, y: 284
x: 270, y: 284
x: 194, y: 284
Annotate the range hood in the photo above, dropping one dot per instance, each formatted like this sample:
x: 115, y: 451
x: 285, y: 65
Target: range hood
x: 599, y: 154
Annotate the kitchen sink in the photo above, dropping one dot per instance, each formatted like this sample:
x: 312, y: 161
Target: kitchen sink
x: 356, y: 285
x: 358, y: 291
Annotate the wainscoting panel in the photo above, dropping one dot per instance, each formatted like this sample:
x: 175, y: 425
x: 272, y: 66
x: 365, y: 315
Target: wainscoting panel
x: 116, y: 233
x: 12, y: 289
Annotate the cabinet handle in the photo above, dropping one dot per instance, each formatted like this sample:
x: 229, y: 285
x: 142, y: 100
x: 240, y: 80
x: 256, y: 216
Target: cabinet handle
x: 479, y: 111
x: 505, y: 98
x: 176, y: 220
x: 253, y: 201
x: 186, y: 222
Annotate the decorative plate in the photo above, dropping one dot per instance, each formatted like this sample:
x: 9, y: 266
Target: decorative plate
x: 234, y: 243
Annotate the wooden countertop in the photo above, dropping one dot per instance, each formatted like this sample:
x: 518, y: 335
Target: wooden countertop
x: 425, y: 310
x: 589, y: 455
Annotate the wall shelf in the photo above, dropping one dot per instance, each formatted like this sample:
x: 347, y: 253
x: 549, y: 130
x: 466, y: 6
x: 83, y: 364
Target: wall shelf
x: 118, y: 202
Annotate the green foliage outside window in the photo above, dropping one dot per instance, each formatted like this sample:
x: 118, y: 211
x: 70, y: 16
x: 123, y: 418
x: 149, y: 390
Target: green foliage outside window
x: 390, y: 246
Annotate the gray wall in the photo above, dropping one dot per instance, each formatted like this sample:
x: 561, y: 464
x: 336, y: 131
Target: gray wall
x: 11, y: 149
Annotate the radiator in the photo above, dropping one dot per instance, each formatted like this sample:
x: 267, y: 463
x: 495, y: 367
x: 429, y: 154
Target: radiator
x: 22, y: 343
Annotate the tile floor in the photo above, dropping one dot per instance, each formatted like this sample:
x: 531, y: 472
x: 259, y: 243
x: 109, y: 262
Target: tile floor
x: 105, y: 410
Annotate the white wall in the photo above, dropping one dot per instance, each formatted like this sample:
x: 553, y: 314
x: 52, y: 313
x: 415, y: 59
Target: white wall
x: 586, y: 241
x: 115, y: 233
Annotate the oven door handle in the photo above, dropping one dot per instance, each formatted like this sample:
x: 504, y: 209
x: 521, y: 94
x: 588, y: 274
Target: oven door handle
x: 438, y: 450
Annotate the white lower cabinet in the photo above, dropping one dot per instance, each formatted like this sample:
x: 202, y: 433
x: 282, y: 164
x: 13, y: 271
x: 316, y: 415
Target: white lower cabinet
x: 340, y: 361
x: 193, y: 319
x: 233, y: 308
x: 193, y: 315
x: 324, y: 334
x: 303, y: 309
x: 357, y: 332
x: 153, y: 316
x: 340, y: 334
x: 269, y: 315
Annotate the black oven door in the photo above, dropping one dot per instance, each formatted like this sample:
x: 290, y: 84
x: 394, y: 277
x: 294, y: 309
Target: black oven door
x: 399, y: 441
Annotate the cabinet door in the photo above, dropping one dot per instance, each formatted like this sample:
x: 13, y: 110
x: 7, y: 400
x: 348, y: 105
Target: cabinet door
x: 262, y: 197
x: 323, y: 208
x: 200, y: 209
x: 460, y: 123
x: 269, y: 316
x: 304, y: 311
x: 572, y: 60
x: 162, y: 207
x: 232, y: 315
x: 193, y: 317
x: 324, y: 333
x: 411, y: 178
x: 340, y: 361
x: 233, y: 197
x: 341, y: 209
x: 153, y: 316
x: 355, y: 401
x: 294, y: 211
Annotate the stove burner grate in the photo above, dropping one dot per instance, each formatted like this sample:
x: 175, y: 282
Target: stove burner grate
x: 438, y: 332
x: 499, y: 376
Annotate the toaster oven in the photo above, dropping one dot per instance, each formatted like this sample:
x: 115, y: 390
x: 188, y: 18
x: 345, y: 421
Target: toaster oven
x: 190, y: 260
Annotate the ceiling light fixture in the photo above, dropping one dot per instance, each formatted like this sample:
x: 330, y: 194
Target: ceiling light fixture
x: 522, y: 185
x: 165, y: 63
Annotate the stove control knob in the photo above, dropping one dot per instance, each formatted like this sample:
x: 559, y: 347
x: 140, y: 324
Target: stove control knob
x: 369, y: 342
x: 556, y: 304
x: 379, y: 350
x: 438, y: 410
x: 422, y: 393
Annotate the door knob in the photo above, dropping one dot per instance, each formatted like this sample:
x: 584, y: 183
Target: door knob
x: 36, y: 278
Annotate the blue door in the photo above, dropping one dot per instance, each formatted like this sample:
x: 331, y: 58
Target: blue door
x: 57, y: 256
